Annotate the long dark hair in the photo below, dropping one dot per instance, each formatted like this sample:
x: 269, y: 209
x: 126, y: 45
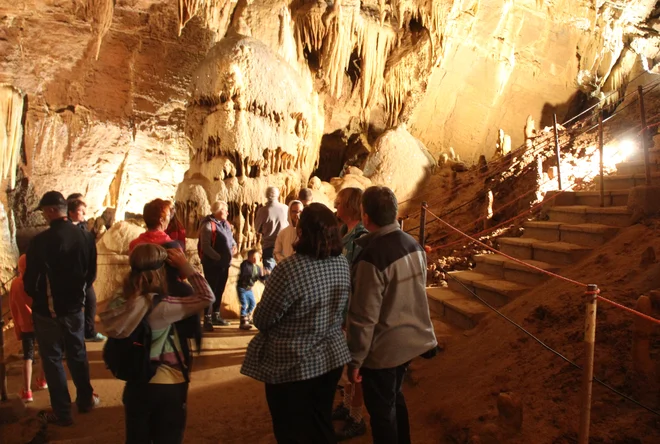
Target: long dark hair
x: 318, y: 233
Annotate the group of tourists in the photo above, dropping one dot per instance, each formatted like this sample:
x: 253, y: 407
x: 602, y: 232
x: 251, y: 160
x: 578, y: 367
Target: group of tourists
x: 344, y: 294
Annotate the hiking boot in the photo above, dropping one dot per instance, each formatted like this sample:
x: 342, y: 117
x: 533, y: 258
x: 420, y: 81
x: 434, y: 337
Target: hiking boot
x: 340, y: 413
x: 245, y: 324
x: 94, y: 403
x: 52, y: 418
x: 98, y: 337
x: 217, y: 320
x: 26, y: 396
x: 351, y: 429
x: 41, y: 384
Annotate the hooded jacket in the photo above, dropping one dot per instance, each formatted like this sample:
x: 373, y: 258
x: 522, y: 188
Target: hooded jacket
x: 218, y: 251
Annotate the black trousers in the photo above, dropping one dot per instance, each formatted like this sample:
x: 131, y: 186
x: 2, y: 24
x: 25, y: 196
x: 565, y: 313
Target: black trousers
x: 155, y: 413
x: 386, y: 405
x: 90, y: 313
x: 217, y: 279
x: 302, y: 410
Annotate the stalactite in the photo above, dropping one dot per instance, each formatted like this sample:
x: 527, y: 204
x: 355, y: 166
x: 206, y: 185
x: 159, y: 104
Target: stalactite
x: 215, y: 14
x: 375, y: 46
x: 11, y: 132
x: 100, y: 12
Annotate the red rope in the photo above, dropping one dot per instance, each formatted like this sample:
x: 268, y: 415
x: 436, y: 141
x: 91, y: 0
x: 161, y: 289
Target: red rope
x: 488, y: 230
x: 630, y: 310
x: 580, y: 284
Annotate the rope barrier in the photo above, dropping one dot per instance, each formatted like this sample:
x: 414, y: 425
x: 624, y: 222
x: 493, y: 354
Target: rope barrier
x: 630, y: 310
x: 547, y: 347
x: 500, y: 225
x: 579, y: 284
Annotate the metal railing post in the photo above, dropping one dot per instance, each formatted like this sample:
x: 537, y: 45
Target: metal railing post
x: 601, y: 149
x: 645, y: 145
x: 554, y: 116
x: 588, y: 368
x: 422, y: 224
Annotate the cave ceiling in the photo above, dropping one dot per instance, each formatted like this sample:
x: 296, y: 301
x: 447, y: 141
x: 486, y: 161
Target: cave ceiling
x: 108, y: 84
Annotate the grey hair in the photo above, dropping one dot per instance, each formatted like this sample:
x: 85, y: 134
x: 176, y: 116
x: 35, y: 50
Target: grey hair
x: 217, y: 205
x: 272, y: 193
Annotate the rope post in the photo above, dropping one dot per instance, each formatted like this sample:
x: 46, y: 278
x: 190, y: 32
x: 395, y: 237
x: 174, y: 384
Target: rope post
x: 588, y: 368
x: 557, y: 151
x: 422, y: 224
x: 645, y: 145
x: 601, y: 150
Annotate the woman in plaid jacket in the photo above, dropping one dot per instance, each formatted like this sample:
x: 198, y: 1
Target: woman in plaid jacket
x: 300, y: 349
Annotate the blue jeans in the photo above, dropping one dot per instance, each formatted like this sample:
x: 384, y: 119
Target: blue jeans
x: 246, y: 298
x: 268, y: 259
x: 61, y: 337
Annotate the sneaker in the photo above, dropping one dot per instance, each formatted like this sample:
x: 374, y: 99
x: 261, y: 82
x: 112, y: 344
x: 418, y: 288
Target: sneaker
x: 41, y: 384
x: 52, y: 418
x: 217, y: 320
x: 351, y: 429
x: 26, y: 396
x: 208, y: 328
x: 96, y: 338
x: 340, y: 413
x: 88, y: 408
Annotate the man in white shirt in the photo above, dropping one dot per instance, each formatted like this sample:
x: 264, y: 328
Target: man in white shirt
x: 288, y: 236
x: 270, y: 220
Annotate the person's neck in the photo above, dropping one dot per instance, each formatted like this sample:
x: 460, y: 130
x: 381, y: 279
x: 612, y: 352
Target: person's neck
x: 352, y: 224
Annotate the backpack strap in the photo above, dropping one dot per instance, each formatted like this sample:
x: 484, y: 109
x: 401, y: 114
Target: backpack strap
x: 184, y: 369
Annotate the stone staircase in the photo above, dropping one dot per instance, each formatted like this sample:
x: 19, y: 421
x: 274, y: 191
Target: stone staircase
x: 576, y: 224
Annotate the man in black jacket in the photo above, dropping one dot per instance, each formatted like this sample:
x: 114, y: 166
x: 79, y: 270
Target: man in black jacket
x: 61, y: 265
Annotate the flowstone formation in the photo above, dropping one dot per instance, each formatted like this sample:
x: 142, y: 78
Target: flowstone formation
x: 253, y: 122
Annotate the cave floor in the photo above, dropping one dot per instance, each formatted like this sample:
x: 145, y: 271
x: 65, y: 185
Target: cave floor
x: 223, y: 405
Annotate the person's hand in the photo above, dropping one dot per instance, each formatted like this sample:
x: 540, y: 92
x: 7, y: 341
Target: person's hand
x: 354, y: 375
x: 234, y: 250
x: 176, y: 258
x: 266, y: 272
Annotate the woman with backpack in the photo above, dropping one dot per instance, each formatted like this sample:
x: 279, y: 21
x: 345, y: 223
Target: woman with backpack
x: 143, y: 313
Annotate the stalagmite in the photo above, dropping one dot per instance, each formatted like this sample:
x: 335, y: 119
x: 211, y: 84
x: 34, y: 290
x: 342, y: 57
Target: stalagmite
x: 11, y: 132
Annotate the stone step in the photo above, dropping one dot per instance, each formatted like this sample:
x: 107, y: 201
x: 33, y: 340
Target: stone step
x: 505, y: 268
x: 614, y: 198
x: 587, y: 235
x: 637, y: 167
x: 456, y: 308
x: 581, y: 214
x: 556, y: 253
x: 626, y: 181
x: 638, y: 155
x: 497, y: 292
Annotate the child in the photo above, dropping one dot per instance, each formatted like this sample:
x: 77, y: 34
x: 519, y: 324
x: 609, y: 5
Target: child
x: 20, y: 305
x: 249, y: 274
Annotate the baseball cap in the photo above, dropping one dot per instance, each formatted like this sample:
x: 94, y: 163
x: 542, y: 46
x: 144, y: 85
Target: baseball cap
x: 52, y: 199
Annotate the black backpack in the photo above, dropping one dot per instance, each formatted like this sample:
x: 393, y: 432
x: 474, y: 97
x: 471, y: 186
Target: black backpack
x: 129, y: 358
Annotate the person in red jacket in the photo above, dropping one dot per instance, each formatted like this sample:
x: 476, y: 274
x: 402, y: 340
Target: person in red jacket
x: 156, y: 216
x: 20, y: 305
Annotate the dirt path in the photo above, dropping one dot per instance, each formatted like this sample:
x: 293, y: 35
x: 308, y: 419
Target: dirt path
x: 223, y: 405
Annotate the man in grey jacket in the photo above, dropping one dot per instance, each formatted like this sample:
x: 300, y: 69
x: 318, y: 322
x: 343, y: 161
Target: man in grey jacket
x: 388, y: 321
x: 270, y: 220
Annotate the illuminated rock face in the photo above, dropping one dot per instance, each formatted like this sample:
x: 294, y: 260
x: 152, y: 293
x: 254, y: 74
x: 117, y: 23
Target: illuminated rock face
x: 111, y: 107
x: 253, y: 122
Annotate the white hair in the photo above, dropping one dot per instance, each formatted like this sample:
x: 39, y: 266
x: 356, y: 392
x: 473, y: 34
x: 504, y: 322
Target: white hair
x: 272, y: 193
x: 217, y: 205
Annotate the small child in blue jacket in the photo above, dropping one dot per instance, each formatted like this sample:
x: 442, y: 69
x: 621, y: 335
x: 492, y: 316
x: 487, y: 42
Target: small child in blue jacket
x: 249, y: 274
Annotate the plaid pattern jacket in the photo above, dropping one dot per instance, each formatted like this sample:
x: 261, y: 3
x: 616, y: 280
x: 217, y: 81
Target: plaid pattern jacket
x: 299, y: 320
